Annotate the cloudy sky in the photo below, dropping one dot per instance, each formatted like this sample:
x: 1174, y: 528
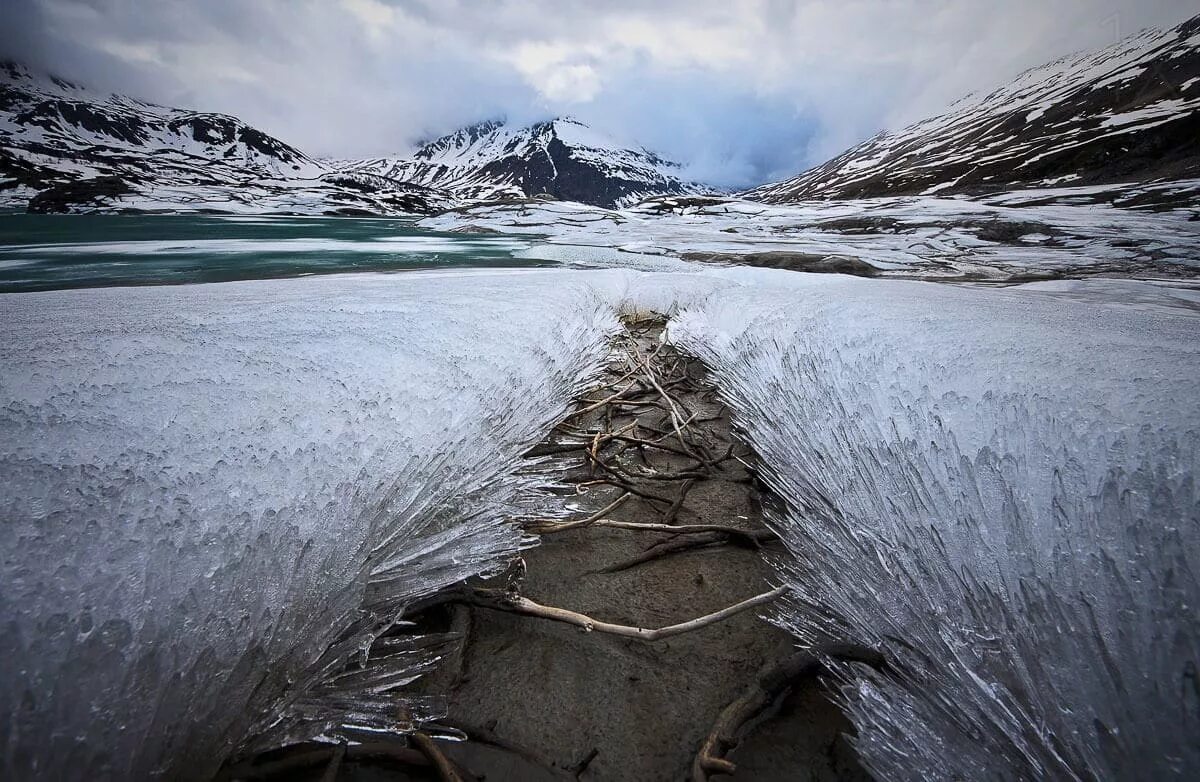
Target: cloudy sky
x: 740, y: 91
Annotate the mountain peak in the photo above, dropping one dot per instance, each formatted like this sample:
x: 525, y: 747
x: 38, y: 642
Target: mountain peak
x: 562, y: 157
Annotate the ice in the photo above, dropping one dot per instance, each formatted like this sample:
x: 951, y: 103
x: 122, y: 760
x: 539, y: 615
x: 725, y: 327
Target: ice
x: 997, y: 490
x: 215, y: 497
x: 923, y: 236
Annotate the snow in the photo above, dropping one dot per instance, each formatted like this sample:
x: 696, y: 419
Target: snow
x: 1163, y: 109
x: 465, y: 163
x: 997, y: 490
x: 216, y: 495
x: 154, y: 150
x: 922, y: 236
x: 930, y: 154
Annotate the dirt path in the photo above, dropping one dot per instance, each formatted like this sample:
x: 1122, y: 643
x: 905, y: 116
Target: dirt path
x: 546, y: 700
x: 556, y: 702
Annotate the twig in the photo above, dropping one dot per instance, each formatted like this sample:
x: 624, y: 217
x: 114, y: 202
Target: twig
x: 445, y: 769
x: 302, y: 756
x: 502, y: 601
x: 547, y: 527
x: 335, y: 764
x: 622, y: 484
x: 772, y: 682
x: 677, y: 505
x: 488, y: 736
x: 600, y: 404
x: 681, y: 544
x: 676, y: 418
x: 752, y: 536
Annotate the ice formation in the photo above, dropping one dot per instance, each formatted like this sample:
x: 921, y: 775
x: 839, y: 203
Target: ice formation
x: 996, y: 489
x: 216, y: 496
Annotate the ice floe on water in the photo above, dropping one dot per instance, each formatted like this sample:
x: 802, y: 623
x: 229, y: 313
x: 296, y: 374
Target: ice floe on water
x: 215, y: 496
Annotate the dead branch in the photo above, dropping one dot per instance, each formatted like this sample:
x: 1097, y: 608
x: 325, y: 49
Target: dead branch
x: 676, y: 417
x: 301, y: 756
x: 773, y: 682
x: 335, y: 764
x: 549, y: 527
x: 677, y: 505
x: 445, y: 769
x: 503, y: 601
x: 600, y: 404
x: 681, y: 544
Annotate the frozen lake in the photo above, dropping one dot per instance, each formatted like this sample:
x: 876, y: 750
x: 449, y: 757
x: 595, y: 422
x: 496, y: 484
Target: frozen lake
x: 53, y: 252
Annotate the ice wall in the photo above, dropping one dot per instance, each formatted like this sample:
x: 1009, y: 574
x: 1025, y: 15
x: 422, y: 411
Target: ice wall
x: 215, y: 496
x: 997, y: 490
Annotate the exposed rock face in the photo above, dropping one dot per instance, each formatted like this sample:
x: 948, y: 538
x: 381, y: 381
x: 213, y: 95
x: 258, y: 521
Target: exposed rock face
x: 561, y: 158
x: 1126, y: 113
x: 69, y: 196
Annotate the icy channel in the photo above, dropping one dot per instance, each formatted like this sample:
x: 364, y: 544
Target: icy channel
x: 216, y: 495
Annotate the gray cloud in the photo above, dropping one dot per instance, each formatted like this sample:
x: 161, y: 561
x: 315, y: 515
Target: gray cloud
x: 739, y: 91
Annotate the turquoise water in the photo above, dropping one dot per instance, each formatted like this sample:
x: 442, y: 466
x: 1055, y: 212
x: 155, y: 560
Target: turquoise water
x: 49, y: 252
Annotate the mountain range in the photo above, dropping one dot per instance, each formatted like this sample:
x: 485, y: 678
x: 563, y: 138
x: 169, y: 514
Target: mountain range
x: 64, y: 147
x: 1118, y: 124
x: 1127, y: 113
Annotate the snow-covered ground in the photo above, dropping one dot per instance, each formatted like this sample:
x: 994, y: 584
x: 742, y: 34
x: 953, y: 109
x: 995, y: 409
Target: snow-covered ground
x: 214, y: 495
x: 922, y: 236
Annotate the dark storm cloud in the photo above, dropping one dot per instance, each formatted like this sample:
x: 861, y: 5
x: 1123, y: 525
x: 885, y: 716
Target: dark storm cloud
x: 738, y: 91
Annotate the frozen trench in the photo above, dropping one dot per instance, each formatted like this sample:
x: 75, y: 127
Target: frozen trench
x: 214, y: 495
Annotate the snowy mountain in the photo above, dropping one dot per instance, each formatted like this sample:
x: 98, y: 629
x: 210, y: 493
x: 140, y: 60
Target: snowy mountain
x: 64, y: 148
x: 1126, y: 113
x: 562, y: 158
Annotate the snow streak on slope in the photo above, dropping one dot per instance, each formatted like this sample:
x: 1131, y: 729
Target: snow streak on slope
x: 215, y: 497
x: 1130, y: 112
x: 562, y: 158
x: 996, y: 490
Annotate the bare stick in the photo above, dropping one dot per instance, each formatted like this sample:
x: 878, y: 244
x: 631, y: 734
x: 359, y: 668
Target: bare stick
x: 335, y: 764
x: 547, y: 527
x: 681, y: 544
x: 445, y: 769
x: 601, y: 403
x: 301, y: 756
x: 677, y: 505
x: 675, y: 415
x: 682, y: 529
x: 770, y: 685
x: 497, y: 599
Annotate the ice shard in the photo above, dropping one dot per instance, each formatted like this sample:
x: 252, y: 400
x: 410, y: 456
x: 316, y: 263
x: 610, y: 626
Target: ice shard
x: 997, y: 490
x: 216, y: 497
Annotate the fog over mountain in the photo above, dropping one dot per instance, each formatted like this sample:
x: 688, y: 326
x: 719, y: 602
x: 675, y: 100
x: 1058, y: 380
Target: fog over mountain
x: 738, y: 92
